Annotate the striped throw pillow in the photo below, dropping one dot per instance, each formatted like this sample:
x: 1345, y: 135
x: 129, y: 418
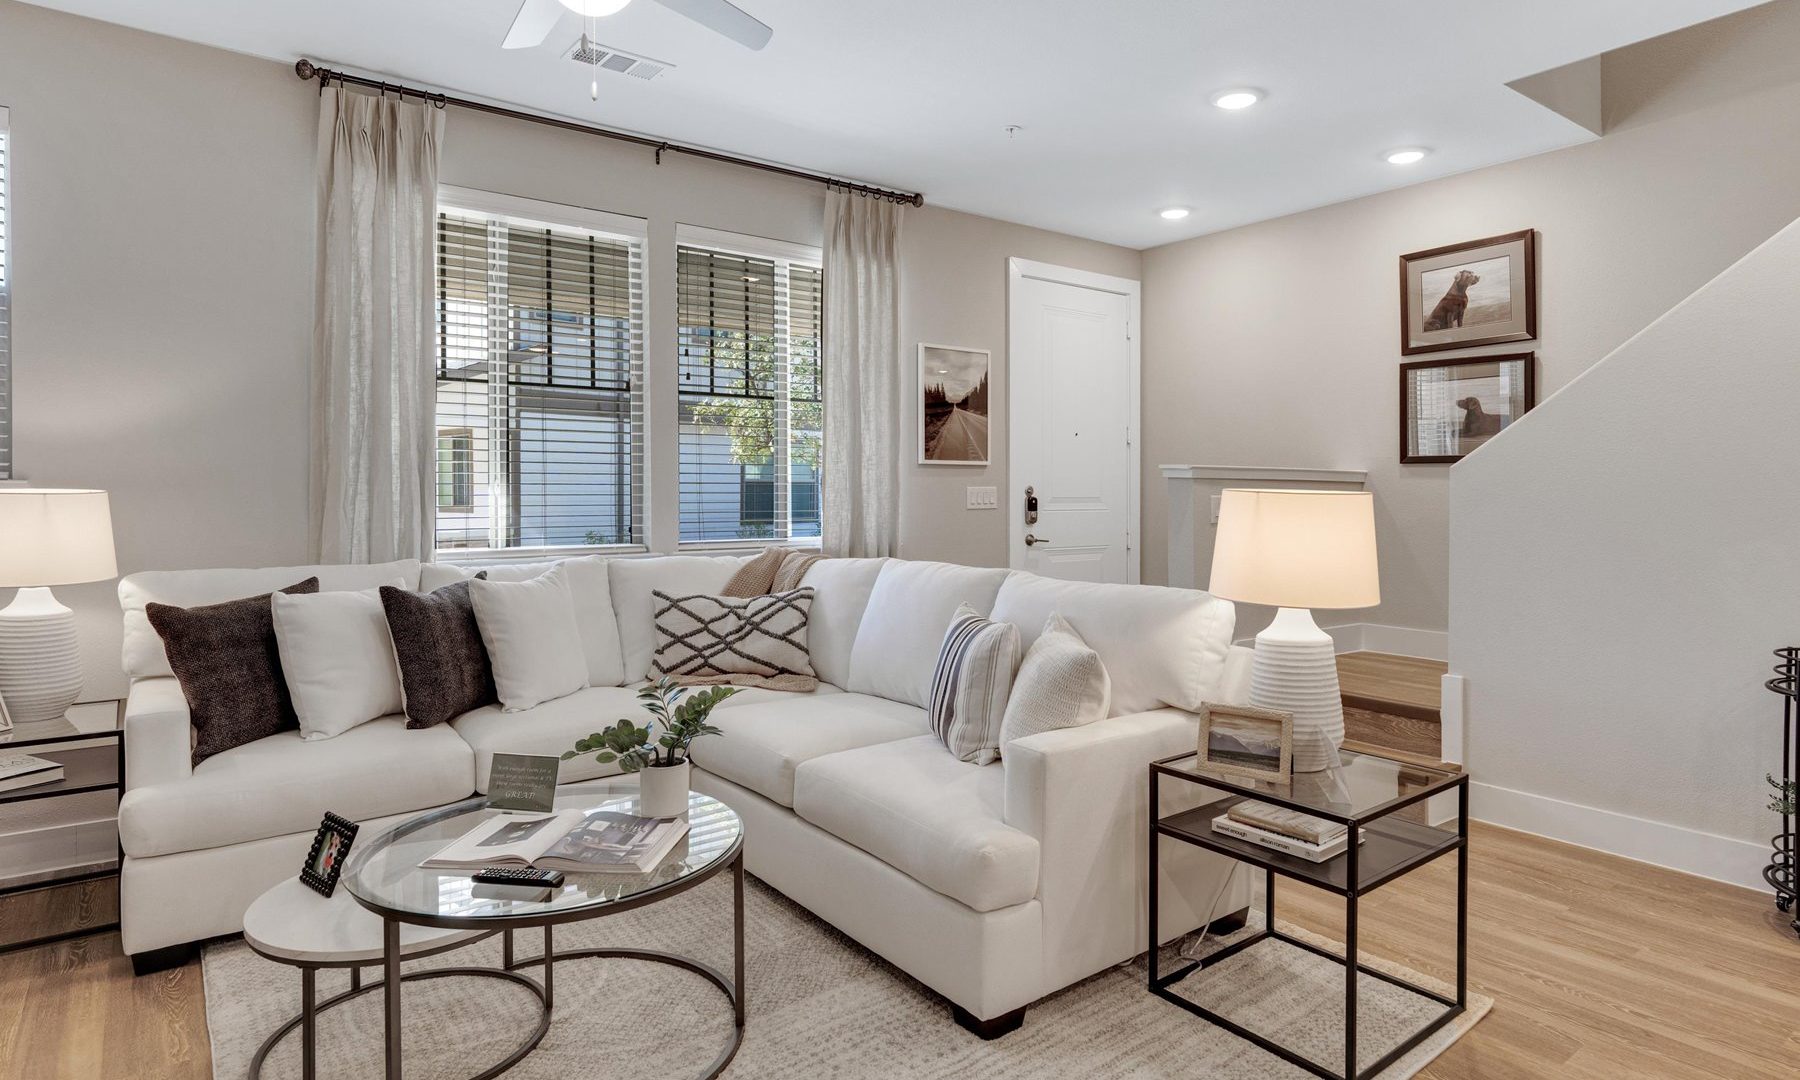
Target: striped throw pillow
x: 970, y: 685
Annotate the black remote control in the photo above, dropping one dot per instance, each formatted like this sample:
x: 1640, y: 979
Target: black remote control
x: 518, y: 875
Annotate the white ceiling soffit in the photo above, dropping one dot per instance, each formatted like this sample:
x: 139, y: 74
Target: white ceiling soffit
x: 1111, y: 96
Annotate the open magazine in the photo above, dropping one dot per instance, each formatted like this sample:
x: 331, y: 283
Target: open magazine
x: 576, y: 841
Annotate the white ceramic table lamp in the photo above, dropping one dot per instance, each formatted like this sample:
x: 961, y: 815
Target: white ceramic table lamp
x: 48, y: 536
x: 1298, y: 550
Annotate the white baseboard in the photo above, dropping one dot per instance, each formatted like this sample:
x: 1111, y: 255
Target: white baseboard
x: 35, y: 853
x: 1375, y: 637
x: 1735, y: 862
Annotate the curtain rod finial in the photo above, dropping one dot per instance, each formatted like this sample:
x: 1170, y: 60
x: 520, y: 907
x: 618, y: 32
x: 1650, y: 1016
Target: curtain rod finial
x: 305, y: 69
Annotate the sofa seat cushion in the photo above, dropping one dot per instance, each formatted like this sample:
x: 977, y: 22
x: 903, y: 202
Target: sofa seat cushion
x: 918, y: 809
x: 764, y: 743
x: 549, y: 728
x: 284, y: 784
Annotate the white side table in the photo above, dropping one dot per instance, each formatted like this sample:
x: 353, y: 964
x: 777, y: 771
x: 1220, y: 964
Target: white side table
x: 291, y: 924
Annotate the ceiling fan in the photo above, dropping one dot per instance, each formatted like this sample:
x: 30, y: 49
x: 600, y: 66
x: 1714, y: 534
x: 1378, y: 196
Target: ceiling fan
x: 537, y: 18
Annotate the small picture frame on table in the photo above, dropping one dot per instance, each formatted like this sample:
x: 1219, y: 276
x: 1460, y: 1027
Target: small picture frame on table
x: 330, y: 850
x: 1246, y: 742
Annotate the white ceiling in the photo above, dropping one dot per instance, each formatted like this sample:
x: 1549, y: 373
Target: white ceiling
x: 1111, y: 95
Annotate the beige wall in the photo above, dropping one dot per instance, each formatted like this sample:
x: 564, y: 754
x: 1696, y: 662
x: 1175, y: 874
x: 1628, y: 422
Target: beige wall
x: 1276, y: 344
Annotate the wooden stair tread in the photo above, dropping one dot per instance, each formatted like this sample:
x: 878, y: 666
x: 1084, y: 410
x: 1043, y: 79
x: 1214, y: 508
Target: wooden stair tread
x: 1382, y: 682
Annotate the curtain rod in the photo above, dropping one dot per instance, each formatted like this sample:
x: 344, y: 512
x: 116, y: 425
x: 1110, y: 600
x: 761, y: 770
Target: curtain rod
x: 307, y: 70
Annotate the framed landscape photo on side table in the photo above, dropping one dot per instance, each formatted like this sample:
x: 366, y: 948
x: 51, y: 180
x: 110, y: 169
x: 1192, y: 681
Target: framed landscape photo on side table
x: 1450, y: 407
x: 1482, y: 292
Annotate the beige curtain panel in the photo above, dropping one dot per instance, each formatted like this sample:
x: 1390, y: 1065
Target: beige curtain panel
x: 373, y: 368
x: 861, y: 504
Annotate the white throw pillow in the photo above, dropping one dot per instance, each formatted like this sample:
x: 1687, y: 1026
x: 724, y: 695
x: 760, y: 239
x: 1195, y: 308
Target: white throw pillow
x: 1061, y: 684
x: 970, y: 685
x: 589, y: 584
x: 336, y: 658
x: 532, y: 638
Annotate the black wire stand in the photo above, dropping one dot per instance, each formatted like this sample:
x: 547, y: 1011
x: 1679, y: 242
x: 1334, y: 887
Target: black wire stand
x: 1780, y: 871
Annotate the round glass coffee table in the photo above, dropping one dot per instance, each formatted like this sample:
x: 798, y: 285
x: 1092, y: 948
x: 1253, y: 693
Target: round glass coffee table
x: 386, y: 878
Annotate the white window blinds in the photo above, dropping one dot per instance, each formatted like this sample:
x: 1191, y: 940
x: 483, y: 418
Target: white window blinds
x: 540, y: 439
x: 6, y: 425
x: 752, y: 414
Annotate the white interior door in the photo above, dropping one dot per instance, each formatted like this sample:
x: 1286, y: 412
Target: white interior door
x: 1072, y: 371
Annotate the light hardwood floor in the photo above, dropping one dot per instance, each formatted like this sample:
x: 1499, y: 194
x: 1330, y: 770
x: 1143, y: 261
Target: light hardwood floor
x: 1600, y: 967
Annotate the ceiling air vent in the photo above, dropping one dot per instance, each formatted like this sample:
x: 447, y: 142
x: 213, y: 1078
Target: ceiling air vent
x: 587, y: 51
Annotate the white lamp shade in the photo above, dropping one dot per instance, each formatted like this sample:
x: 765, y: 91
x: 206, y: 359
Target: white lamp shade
x: 55, y: 536
x: 1296, y: 549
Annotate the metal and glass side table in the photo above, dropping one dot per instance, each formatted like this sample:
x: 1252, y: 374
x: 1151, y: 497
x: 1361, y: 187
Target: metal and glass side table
x: 1364, y: 792
x: 80, y: 738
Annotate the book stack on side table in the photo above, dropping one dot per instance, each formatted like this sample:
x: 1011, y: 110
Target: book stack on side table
x: 1287, y: 831
x: 23, y: 770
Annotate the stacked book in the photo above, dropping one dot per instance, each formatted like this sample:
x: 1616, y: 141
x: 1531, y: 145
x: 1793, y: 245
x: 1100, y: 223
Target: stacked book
x: 1287, y: 831
x: 23, y: 770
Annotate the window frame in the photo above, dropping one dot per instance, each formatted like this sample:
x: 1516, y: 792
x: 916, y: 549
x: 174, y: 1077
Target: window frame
x: 754, y: 247
x: 536, y: 213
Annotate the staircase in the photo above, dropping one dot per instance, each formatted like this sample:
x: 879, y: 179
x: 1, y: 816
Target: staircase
x: 1391, y: 704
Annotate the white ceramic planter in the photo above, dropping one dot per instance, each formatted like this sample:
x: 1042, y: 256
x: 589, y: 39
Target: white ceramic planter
x: 663, y: 790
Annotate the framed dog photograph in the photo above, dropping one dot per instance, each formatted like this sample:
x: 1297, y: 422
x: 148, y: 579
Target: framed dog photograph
x: 1450, y: 407
x: 1238, y: 740
x: 1483, y: 292
x: 953, y: 405
x: 330, y: 849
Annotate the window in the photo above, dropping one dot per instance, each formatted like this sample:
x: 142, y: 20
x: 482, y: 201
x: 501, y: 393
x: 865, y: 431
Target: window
x: 6, y: 461
x: 752, y: 407
x: 540, y: 376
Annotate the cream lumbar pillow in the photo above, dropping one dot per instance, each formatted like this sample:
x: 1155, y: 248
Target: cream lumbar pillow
x: 970, y: 684
x: 336, y: 658
x: 1061, y: 684
x: 532, y: 638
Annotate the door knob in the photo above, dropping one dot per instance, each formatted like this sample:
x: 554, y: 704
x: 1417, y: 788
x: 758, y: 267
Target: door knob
x: 1032, y: 541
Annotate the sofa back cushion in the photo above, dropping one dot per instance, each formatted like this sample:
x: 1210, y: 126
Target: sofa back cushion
x: 143, y: 655
x: 841, y: 589
x: 902, y: 629
x: 1161, y: 646
x: 590, y: 584
x: 633, y: 580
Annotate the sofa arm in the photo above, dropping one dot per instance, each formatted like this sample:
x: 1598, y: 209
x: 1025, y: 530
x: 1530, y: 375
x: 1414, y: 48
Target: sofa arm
x: 158, y: 734
x: 1084, y: 793
x: 1234, y: 684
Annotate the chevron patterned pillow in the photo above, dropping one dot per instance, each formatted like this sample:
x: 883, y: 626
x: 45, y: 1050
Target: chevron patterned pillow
x: 715, y: 637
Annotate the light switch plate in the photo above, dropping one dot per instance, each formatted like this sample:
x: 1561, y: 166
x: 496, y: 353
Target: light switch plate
x: 984, y: 498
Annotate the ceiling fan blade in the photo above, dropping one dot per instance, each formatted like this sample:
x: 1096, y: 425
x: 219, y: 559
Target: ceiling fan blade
x: 725, y: 18
x: 533, y: 24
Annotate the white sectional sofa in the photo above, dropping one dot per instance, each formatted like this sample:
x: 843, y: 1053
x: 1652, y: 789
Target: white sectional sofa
x: 994, y: 885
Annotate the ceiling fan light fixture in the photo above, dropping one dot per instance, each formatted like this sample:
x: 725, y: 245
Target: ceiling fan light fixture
x: 595, y: 9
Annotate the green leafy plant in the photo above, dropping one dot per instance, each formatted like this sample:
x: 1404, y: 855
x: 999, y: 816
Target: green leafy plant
x: 681, y: 722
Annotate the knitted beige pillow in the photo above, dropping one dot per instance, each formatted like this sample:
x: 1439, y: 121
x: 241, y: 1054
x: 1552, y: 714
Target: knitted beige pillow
x: 1061, y: 683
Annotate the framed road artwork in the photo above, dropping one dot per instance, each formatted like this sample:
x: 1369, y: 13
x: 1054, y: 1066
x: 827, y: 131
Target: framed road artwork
x: 1448, y: 408
x: 953, y: 405
x: 1483, y: 292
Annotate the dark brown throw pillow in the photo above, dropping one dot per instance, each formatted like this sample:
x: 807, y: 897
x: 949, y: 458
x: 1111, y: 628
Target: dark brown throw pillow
x: 224, y: 656
x: 444, y: 670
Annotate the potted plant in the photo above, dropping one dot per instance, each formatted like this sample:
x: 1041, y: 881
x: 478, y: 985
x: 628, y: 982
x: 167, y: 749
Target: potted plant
x: 661, y: 762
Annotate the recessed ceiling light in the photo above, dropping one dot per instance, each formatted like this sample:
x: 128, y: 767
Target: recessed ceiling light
x: 1407, y: 155
x: 1173, y: 213
x: 1238, y: 98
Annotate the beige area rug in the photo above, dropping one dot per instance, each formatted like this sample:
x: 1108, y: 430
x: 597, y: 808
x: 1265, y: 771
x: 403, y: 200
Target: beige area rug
x: 819, y: 1006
